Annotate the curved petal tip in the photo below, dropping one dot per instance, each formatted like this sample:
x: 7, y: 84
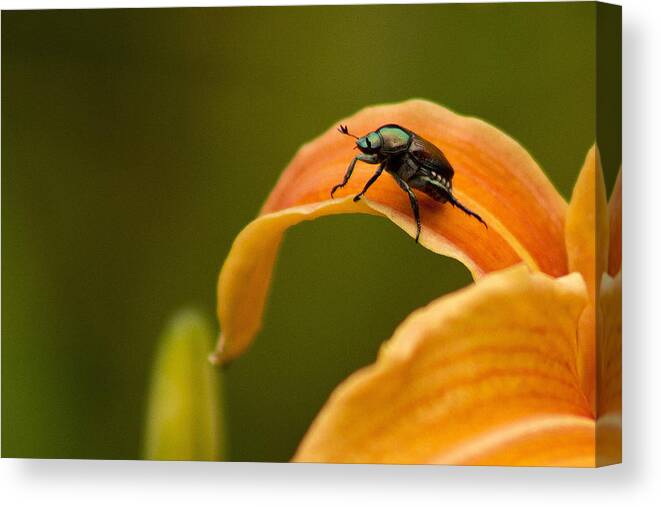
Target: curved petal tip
x: 494, y: 176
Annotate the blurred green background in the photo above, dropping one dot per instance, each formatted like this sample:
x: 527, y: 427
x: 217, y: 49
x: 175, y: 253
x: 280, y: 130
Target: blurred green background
x: 137, y: 143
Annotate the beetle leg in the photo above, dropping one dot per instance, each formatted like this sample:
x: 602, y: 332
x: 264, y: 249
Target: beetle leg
x: 370, y: 159
x: 453, y: 200
x: 374, y: 177
x: 346, y: 176
x: 414, y: 203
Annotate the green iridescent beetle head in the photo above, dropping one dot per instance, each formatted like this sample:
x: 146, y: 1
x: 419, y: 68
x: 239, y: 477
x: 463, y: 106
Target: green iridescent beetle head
x: 371, y: 143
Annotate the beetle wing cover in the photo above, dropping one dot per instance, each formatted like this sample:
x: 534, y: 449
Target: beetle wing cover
x: 429, y: 156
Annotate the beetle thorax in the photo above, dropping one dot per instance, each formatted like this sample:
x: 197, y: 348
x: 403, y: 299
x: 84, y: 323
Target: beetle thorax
x: 395, y: 139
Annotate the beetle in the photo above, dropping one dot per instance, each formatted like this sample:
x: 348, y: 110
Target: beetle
x: 411, y: 160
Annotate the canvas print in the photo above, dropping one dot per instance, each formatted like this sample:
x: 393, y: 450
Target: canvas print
x: 371, y: 234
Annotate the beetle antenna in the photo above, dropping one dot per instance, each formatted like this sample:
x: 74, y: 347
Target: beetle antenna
x: 453, y: 200
x: 344, y: 130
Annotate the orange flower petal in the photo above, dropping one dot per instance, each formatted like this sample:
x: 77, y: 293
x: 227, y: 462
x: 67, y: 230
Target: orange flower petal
x: 494, y: 176
x: 588, y: 326
x: 461, y: 376
x: 609, y: 351
x: 586, y: 233
x: 609, y: 359
x: 246, y: 274
x: 615, y: 229
x: 586, y: 229
x: 558, y: 440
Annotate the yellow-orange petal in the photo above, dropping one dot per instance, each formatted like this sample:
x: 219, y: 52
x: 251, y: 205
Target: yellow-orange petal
x: 615, y: 228
x: 609, y: 350
x: 557, y: 440
x: 494, y: 176
x: 586, y: 229
x: 471, y: 370
x: 609, y: 372
x: 587, y: 237
x: 246, y: 274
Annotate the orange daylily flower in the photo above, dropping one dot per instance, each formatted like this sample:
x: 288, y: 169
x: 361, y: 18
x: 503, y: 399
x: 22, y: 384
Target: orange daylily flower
x: 520, y: 368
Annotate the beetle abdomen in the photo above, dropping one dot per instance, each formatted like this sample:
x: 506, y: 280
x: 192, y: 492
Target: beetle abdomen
x: 444, y: 183
x: 434, y: 185
x: 436, y: 191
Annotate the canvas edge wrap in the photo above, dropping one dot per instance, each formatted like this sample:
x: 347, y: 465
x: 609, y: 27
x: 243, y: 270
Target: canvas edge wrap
x: 608, y: 114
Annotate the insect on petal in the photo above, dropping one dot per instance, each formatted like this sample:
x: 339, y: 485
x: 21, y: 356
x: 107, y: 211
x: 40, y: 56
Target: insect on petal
x: 494, y: 176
